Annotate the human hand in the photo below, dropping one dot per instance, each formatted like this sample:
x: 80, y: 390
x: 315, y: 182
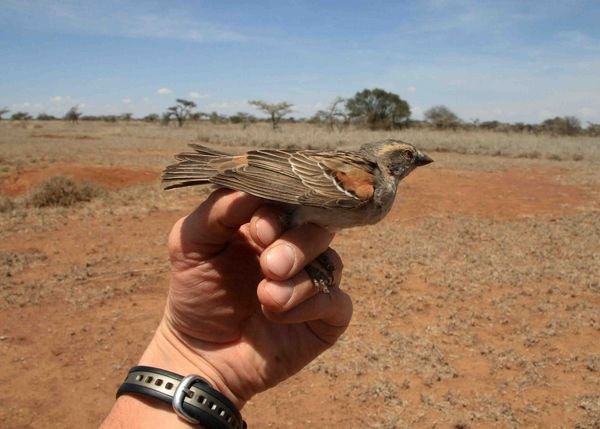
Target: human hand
x: 242, y: 312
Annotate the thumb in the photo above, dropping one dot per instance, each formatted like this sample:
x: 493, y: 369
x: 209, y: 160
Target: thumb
x: 211, y: 226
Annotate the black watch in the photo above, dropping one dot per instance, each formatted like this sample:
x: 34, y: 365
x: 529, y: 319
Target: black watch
x: 192, y: 397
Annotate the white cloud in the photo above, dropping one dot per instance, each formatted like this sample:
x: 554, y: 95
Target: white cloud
x: 164, y: 91
x: 411, y: 89
x: 126, y: 101
x: 196, y: 95
x: 178, y: 25
x: 56, y: 99
x: 147, y: 21
x: 145, y: 99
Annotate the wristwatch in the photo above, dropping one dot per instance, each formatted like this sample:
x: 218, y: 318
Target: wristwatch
x: 192, y: 397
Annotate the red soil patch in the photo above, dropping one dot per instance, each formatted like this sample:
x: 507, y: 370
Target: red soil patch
x: 102, y: 292
x: 111, y: 177
x: 501, y: 195
x: 64, y: 137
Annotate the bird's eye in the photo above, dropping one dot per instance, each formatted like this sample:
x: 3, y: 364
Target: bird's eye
x: 409, y: 154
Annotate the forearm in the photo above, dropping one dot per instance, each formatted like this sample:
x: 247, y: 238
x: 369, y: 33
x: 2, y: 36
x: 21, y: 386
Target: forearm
x: 136, y: 412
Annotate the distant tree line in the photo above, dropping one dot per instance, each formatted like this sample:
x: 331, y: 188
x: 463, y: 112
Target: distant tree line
x: 370, y: 108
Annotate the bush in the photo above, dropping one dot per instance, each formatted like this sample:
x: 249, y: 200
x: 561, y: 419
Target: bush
x: 562, y: 126
x: 593, y: 129
x: 62, y: 191
x: 7, y: 205
x: 442, y: 118
x: 152, y: 117
x: 45, y: 117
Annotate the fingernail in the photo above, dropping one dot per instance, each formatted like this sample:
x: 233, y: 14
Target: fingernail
x: 279, y: 292
x: 265, y: 232
x: 280, y: 260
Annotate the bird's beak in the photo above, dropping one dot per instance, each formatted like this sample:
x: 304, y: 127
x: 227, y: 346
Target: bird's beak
x: 422, y: 159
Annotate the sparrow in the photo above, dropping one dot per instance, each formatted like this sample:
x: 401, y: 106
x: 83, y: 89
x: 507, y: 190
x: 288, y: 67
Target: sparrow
x: 334, y: 189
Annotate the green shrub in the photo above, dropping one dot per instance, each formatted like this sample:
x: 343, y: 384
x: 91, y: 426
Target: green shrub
x: 62, y: 191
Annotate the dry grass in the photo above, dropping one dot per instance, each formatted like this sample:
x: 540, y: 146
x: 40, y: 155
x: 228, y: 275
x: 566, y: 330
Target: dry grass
x: 464, y: 142
x: 500, y: 295
x: 150, y: 144
x: 460, y: 321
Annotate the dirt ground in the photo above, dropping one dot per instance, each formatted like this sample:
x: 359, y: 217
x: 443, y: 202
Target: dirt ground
x: 477, y: 301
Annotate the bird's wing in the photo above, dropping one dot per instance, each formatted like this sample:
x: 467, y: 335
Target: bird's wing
x: 322, y: 179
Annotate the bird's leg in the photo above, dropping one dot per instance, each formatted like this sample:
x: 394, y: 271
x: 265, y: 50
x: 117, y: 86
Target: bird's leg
x: 326, y: 263
x: 320, y: 272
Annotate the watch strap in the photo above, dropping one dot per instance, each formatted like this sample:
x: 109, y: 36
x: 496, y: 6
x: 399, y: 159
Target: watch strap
x: 192, y: 397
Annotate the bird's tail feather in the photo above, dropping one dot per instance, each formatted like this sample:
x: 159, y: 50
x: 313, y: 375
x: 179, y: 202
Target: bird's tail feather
x: 193, y: 168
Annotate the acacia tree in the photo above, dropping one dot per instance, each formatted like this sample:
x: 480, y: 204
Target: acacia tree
x: 73, y: 114
x: 21, y: 116
x: 276, y: 110
x: 441, y: 117
x: 378, y: 108
x: 181, y: 111
x: 334, y: 115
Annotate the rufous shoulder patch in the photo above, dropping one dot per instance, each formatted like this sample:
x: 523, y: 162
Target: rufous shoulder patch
x: 356, y: 181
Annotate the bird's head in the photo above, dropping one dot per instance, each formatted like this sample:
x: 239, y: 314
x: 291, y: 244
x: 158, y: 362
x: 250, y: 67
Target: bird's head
x: 396, y: 157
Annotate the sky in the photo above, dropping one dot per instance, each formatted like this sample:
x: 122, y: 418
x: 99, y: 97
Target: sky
x: 512, y: 61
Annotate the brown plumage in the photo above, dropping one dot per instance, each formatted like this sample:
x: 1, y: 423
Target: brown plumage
x: 333, y: 189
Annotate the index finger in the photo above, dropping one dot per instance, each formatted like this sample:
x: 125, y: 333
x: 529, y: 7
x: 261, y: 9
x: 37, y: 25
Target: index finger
x: 206, y: 230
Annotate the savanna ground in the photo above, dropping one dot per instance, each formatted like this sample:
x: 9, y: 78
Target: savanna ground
x: 477, y: 301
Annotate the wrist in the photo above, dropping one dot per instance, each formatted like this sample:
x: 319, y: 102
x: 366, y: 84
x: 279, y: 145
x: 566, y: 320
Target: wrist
x: 169, y: 352
x: 140, y: 412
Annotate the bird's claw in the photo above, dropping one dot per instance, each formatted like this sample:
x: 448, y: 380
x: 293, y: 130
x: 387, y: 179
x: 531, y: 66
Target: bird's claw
x: 321, y: 272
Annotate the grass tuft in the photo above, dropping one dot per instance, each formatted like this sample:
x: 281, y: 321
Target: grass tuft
x: 7, y: 205
x: 60, y: 191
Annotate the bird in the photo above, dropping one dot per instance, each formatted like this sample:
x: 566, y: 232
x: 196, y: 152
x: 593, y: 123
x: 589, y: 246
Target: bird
x: 334, y: 189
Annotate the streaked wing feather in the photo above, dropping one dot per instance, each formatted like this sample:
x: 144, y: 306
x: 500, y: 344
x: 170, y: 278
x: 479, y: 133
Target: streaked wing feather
x: 203, y: 150
x: 303, y: 177
x: 192, y: 168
